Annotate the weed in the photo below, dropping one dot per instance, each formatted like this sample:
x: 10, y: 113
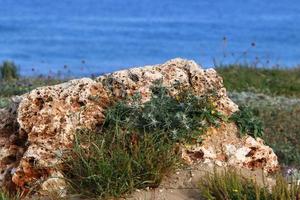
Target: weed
x: 247, y: 122
x: 232, y: 185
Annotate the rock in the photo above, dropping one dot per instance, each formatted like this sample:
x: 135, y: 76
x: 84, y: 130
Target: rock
x: 49, y: 116
x: 12, y: 143
x: 223, y: 147
x: 128, y: 82
x: 43, y: 128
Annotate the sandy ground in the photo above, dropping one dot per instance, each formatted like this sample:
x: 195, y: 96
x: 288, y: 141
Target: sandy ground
x: 183, y: 184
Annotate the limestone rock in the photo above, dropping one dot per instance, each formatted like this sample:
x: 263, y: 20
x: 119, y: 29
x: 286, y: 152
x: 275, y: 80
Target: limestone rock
x: 223, y: 147
x: 177, y: 71
x: 12, y: 142
x: 49, y: 116
x: 42, y: 130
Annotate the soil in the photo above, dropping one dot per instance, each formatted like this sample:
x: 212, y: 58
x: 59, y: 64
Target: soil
x: 183, y: 184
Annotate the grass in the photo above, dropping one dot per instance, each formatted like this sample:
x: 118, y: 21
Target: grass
x: 240, y: 78
x: 230, y: 184
x: 23, y: 85
x: 116, y: 163
x: 5, y: 196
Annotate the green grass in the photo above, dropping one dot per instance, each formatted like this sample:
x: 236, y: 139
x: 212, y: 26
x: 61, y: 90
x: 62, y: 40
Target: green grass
x: 230, y: 184
x: 23, y: 85
x: 240, y: 78
x: 4, y: 196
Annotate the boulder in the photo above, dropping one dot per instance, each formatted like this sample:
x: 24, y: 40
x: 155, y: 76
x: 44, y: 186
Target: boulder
x: 35, y: 137
x: 223, y: 147
x: 12, y: 143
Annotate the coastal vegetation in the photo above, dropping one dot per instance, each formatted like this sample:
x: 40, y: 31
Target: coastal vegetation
x: 136, y: 137
x: 230, y: 184
x: 270, y: 81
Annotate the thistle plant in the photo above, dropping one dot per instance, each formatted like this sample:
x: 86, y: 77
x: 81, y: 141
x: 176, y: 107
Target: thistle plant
x: 177, y: 116
x: 247, y: 122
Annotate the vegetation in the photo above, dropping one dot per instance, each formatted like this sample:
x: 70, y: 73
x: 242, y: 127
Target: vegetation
x: 247, y: 122
x: 4, y: 196
x: 232, y: 185
x: 135, y: 138
x: 240, y: 78
x: 4, y: 102
x: 23, y: 85
x: 8, y: 71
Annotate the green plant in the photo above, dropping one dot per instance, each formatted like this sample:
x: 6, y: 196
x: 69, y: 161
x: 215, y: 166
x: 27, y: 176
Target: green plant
x: 183, y: 117
x: 118, y: 161
x: 4, y: 102
x: 137, y: 144
x: 5, y: 196
x: 271, y: 81
x: 9, y: 71
x: 247, y: 122
x: 231, y: 185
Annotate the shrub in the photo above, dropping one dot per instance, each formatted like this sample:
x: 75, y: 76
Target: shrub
x: 232, y: 185
x: 247, y: 122
x: 9, y: 71
x: 137, y: 144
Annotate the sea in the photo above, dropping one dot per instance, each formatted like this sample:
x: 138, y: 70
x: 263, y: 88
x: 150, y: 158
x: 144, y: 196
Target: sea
x: 90, y: 37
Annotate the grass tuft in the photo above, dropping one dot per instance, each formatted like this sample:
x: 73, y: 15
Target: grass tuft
x: 231, y: 185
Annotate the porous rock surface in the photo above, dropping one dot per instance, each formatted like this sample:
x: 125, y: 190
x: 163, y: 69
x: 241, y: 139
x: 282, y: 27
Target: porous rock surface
x: 34, y: 137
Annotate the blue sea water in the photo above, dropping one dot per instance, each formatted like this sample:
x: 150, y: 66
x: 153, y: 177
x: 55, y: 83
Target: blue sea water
x: 96, y: 36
